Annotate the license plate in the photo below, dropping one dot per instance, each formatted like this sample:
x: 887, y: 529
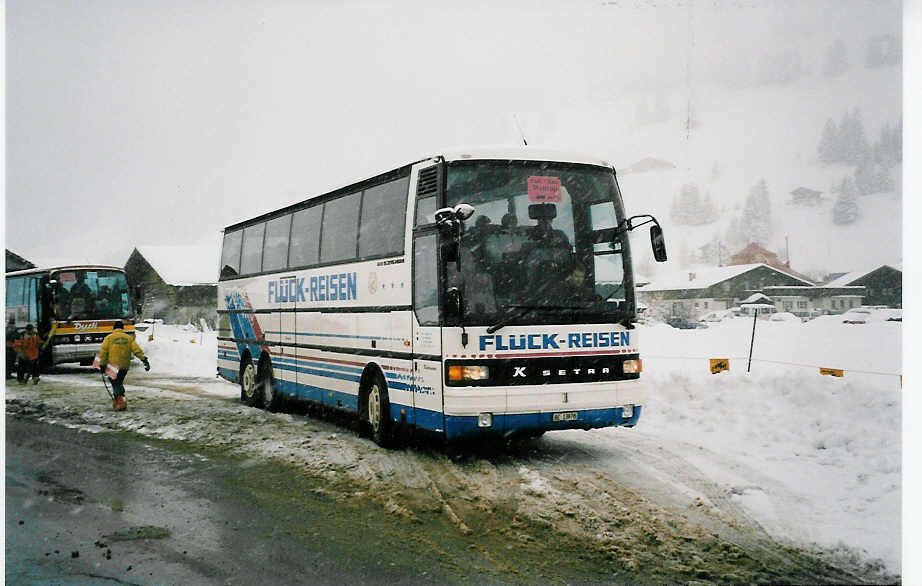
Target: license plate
x: 568, y: 416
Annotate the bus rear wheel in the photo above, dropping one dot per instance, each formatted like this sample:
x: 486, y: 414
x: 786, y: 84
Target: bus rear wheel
x: 248, y: 392
x: 379, y: 412
x: 269, y: 397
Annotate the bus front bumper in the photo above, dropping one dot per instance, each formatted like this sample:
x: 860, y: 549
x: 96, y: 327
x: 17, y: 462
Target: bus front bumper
x: 74, y: 352
x: 510, y: 411
x: 524, y: 424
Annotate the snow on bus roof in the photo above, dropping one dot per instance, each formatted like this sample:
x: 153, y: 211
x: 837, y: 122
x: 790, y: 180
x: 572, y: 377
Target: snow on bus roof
x: 521, y: 153
x: 58, y: 265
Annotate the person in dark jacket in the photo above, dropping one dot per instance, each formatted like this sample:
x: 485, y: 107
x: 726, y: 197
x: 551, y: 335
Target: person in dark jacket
x: 12, y: 333
x: 117, y: 349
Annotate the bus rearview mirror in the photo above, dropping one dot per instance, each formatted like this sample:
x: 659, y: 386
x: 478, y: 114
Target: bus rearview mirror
x: 463, y: 211
x: 658, y: 243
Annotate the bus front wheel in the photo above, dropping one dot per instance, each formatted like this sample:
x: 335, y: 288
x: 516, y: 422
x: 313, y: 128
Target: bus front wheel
x: 378, y: 412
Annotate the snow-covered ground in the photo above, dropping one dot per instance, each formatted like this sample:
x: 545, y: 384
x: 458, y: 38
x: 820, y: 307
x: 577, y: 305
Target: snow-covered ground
x: 832, y: 446
x: 808, y: 459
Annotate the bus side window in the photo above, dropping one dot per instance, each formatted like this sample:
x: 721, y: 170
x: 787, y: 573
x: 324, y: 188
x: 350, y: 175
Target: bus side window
x: 15, y: 300
x: 425, y: 211
x: 426, y: 280
x: 32, y: 291
x: 305, y: 237
x: 383, y: 218
x: 230, y: 254
x: 275, y: 252
x: 339, y: 234
x: 251, y: 259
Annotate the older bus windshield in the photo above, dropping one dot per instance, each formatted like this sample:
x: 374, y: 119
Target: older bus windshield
x: 91, y: 294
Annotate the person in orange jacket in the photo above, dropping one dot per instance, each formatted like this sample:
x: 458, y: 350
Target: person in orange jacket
x: 28, y: 347
x: 117, y: 349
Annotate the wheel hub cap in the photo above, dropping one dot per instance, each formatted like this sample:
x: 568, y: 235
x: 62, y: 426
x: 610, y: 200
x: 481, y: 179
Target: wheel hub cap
x: 374, y: 407
x: 249, y: 380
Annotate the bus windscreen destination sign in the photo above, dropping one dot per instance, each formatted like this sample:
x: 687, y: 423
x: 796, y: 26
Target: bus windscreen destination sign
x: 543, y: 189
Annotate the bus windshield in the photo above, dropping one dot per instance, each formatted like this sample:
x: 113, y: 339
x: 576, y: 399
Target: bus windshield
x: 538, y: 249
x: 91, y: 294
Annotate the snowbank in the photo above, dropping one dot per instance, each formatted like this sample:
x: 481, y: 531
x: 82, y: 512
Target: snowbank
x: 181, y: 350
x: 833, y: 445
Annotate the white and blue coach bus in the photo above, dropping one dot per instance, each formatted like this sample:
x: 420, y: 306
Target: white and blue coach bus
x: 467, y: 294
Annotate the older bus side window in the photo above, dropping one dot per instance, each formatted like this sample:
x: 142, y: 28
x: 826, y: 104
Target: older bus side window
x: 384, y: 211
x: 251, y: 259
x: 275, y: 252
x: 22, y: 300
x: 305, y: 237
x: 426, y: 280
x: 340, y: 226
x: 230, y: 254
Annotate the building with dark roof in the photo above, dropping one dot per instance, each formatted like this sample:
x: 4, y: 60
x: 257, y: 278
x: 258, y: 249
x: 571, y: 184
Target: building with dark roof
x: 806, y: 196
x: 14, y: 262
x: 179, y: 282
x: 692, y: 294
x: 884, y: 285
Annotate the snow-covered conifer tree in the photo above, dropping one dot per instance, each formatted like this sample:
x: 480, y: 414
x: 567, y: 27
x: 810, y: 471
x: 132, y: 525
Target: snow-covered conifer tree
x: 756, y: 221
x: 865, y: 178
x: 845, y: 210
x: 883, y: 181
x: 688, y: 209
x: 733, y: 236
x: 852, y: 139
x: 828, y: 149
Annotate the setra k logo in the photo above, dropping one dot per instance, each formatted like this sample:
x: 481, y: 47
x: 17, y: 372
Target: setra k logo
x: 519, y: 371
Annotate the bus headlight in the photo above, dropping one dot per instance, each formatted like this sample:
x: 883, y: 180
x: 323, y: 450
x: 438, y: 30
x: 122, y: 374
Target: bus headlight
x: 627, y: 411
x: 632, y: 366
x: 459, y: 373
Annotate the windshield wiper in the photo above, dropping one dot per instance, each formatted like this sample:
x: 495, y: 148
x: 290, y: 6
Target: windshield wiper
x: 523, y: 311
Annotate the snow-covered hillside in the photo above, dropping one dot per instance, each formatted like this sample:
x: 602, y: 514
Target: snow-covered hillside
x: 738, y: 136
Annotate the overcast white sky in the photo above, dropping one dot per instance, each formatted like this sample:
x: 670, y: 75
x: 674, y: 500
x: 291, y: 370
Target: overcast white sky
x: 160, y: 122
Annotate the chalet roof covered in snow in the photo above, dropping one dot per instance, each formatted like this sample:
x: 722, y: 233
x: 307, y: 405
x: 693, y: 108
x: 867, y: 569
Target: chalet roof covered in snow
x: 853, y: 276
x: 757, y: 299
x: 704, y: 278
x: 183, y: 265
x: 805, y: 192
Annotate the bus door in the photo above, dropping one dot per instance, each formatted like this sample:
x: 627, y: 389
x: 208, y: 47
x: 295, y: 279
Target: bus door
x: 282, y: 344
x: 427, y: 332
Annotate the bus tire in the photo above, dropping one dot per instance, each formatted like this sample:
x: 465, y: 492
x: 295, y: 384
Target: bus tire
x: 378, y: 410
x: 248, y: 392
x: 269, y: 397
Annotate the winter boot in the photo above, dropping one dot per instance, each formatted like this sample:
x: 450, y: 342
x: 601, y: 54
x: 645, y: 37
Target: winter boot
x: 115, y: 404
x: 35, y: 380
x: 122, y: 403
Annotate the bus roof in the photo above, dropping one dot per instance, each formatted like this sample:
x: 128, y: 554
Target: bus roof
x: 523, y: 153
x: 513, y: 153
x: 75, y: 267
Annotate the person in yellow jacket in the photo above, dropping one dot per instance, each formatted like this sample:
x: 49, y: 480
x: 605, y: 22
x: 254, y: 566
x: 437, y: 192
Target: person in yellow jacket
x: 117, y: 348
